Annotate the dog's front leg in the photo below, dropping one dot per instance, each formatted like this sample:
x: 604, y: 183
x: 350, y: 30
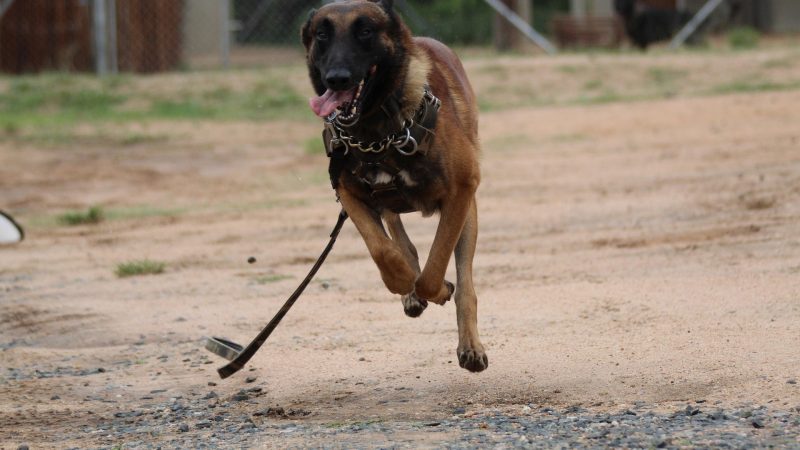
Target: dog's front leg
x: 396, y: 273
x: 431, y: 284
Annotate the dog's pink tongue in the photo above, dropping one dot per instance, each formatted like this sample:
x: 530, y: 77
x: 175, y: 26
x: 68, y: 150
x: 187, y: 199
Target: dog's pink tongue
x: 325, y: 104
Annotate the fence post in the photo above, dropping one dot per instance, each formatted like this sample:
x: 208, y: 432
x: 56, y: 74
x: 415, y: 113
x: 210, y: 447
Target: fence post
x: 100, y: 34
x: 225, y: 33
x: 113, y: 59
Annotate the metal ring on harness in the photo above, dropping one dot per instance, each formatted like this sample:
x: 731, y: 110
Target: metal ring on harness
x: 408, y: 140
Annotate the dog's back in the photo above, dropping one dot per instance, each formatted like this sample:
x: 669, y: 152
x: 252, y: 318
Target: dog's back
x: 449, y: 79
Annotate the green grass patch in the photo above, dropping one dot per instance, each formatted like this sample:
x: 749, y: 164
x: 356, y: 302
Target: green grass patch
x: 744, y: 38
x: 141, y: 267
x: 143, y: 211
x: 271, y: 278
x: 313, y: 146
x: 664, y: 75
x: 93, y: 215
x: 745, y: 86
x: 592, y: 85
x: 33, y: 104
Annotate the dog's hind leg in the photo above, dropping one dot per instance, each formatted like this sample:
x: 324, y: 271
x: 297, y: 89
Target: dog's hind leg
x: 412, y: 305
x: 397, y: 274
x: 471, y: 354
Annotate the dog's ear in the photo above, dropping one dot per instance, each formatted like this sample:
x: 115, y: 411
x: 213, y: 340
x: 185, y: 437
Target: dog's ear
x: 305, y: 32
x: 387, y: 5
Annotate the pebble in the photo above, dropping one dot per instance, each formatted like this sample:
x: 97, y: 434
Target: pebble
x: 174, y: 423
x: 250, y: 379
x: 251, y: 260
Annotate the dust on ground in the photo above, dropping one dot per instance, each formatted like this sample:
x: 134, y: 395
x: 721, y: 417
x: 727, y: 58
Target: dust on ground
x: 629, y: 251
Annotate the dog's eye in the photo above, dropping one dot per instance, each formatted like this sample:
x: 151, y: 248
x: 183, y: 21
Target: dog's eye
x: 365, y: 33
x: 322, y: 35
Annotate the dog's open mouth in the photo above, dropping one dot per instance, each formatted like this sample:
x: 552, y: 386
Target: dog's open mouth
x: 347, y: 104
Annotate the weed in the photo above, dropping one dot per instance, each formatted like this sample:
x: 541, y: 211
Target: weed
x: 141, y: 267
x: 92, y: 216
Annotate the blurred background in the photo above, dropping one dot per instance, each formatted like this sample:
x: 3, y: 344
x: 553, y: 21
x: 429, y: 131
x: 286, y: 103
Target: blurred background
x: 639, y: 207
x: 145, y: 36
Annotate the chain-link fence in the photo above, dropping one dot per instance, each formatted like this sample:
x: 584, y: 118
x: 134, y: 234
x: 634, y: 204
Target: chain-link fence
x: 109, y: 36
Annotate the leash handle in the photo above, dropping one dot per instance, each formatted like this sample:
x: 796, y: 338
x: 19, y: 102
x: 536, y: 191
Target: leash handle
x: 244, y: 356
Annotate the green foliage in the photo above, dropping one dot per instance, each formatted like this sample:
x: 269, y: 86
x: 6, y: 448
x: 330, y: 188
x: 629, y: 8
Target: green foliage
x: 141, y: 267
x: 744, y: 38
x: 92, y: 216
x: 464, y: 22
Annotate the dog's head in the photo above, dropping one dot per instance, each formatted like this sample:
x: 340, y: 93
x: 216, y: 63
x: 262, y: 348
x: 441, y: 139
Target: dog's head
x: 355, y: 53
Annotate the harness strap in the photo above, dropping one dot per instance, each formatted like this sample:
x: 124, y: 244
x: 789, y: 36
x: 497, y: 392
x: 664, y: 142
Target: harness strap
x: 415, y: 137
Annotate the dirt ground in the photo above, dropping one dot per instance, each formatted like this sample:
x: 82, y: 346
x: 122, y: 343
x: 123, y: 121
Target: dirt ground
x: 636, y: 251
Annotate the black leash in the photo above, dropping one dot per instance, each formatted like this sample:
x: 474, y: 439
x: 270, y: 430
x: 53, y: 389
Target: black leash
x: 239, y: 356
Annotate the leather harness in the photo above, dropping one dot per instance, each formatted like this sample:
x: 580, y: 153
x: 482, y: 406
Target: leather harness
x: 381, y: 166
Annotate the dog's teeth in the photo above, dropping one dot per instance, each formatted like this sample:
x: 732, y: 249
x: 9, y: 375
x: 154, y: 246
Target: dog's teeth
x: 353, y: 111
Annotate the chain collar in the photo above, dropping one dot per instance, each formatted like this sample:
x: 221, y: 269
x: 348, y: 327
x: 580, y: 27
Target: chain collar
x: 403, y: 141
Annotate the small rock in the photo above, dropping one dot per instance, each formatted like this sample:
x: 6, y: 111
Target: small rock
x: 22, y: 447
x: 792, y: 381
x: 100, y: 370
x: 211, y: 383
x: 210, y: 395
x: 203, y: 424
x: 691, y: 411
x: 758, y: 423
x: 183, y: 428
x: 55, y: 397
x: 250, y: 379
x: 251, y: 260
x: 663, y: 443
x: 459, y: 410
x: 240, y: 396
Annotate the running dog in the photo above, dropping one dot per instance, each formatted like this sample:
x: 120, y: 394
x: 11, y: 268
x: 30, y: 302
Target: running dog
x: 401, y: 131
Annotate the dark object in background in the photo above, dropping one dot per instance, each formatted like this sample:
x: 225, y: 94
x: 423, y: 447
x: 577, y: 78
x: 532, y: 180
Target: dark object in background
x: 40, y: 35
x: 45, y: 35
x: 647, y: 24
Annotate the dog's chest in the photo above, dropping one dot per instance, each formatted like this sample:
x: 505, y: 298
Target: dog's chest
x: 396, y: 182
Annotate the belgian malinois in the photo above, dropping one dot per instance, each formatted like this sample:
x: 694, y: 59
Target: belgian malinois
x: 402, y: 134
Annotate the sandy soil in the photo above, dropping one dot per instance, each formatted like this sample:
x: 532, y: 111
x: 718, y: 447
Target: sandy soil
x: 643, y: 251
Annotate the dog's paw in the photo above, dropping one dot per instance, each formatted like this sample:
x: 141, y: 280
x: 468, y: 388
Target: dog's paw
x: 473, y: 360
x: 413, y: 305
x: 445, y: 295
x: 397, y: 275
x: 439, y: 295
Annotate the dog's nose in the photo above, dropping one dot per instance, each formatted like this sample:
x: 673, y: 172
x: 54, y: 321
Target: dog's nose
x: 338, y: 79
